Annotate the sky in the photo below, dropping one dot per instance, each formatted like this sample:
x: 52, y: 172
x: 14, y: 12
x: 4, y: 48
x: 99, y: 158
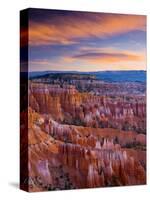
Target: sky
x: 85, y: 41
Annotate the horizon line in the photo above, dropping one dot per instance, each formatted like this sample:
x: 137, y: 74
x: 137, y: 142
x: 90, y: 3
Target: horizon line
x: 86, y: 71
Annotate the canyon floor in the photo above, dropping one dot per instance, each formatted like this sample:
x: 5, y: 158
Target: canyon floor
x: 83, y: 133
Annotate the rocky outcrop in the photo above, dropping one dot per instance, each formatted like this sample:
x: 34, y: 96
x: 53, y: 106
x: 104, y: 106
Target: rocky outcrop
x: 67, y: 105
x: 83, y: 139
x: 104, y: 167
x: 68, y: 156
x: 90, y: 137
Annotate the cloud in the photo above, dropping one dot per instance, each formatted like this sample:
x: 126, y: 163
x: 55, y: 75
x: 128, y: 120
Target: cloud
x: 69, y: 29
x: 93, y: 60
x: 66, y: 40
x: 106, y: 57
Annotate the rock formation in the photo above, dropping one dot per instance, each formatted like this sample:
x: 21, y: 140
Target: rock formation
x: 80, y: 139
x: 69, y: 106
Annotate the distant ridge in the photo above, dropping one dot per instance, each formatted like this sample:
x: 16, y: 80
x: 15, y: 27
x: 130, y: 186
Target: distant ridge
x: 108, y: 76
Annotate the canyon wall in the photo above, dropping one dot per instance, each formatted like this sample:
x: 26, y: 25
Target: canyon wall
x: 80, y: 140
x: 69, y: 106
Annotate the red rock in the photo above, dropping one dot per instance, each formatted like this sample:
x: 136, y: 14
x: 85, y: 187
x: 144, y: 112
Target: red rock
x: 79, y: 140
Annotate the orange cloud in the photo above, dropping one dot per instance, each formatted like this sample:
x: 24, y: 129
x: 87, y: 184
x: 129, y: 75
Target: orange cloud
x: 107, y: 55
x: 69, y: 29
x: 100, y: 60
x: 106, y: 59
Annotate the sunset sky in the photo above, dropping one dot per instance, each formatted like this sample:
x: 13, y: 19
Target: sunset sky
x: 84, y: 41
